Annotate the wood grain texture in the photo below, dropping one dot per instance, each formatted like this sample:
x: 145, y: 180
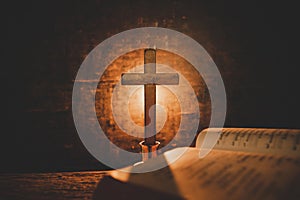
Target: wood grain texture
x: 44, y: 186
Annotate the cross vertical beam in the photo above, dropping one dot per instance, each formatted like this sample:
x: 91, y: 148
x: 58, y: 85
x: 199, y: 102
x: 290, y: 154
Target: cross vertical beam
x: 150, y: 98
x: 150, y: 79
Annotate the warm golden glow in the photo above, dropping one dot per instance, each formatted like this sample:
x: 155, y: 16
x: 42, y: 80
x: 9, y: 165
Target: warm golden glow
x: 165, y: 99
x: 169, y: 105
x: 136, y: 106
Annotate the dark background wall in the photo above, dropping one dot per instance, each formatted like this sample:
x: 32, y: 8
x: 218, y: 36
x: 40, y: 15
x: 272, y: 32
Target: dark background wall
x: 254, y: 44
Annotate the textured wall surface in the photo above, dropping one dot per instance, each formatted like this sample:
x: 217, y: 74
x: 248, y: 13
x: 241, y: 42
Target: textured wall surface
x: 253, y: 44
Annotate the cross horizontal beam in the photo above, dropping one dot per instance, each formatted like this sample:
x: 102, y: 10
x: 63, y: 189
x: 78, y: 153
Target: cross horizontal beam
x: 149, y: 78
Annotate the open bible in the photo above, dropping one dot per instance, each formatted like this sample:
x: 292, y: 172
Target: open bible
x: 244, y: 164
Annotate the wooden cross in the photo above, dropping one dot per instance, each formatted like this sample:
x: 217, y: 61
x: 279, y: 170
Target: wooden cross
x: 150, y: 79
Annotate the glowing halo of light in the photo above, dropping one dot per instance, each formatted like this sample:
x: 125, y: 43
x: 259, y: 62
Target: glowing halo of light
x: 132, y: 128
x: 94, y: 65
x: 125, y: 92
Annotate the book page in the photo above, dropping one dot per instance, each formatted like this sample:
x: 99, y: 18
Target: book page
x: 245, y: 164
x: 270, y: 141
x: 221, y: 175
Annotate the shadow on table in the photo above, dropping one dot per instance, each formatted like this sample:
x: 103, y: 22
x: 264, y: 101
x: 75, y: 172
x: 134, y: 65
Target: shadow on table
x: 110, y: 188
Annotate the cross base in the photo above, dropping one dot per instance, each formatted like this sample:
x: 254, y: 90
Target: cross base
x: 149, y: 151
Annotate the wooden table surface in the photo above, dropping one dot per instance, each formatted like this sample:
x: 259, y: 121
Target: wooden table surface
x: 40, y: 186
